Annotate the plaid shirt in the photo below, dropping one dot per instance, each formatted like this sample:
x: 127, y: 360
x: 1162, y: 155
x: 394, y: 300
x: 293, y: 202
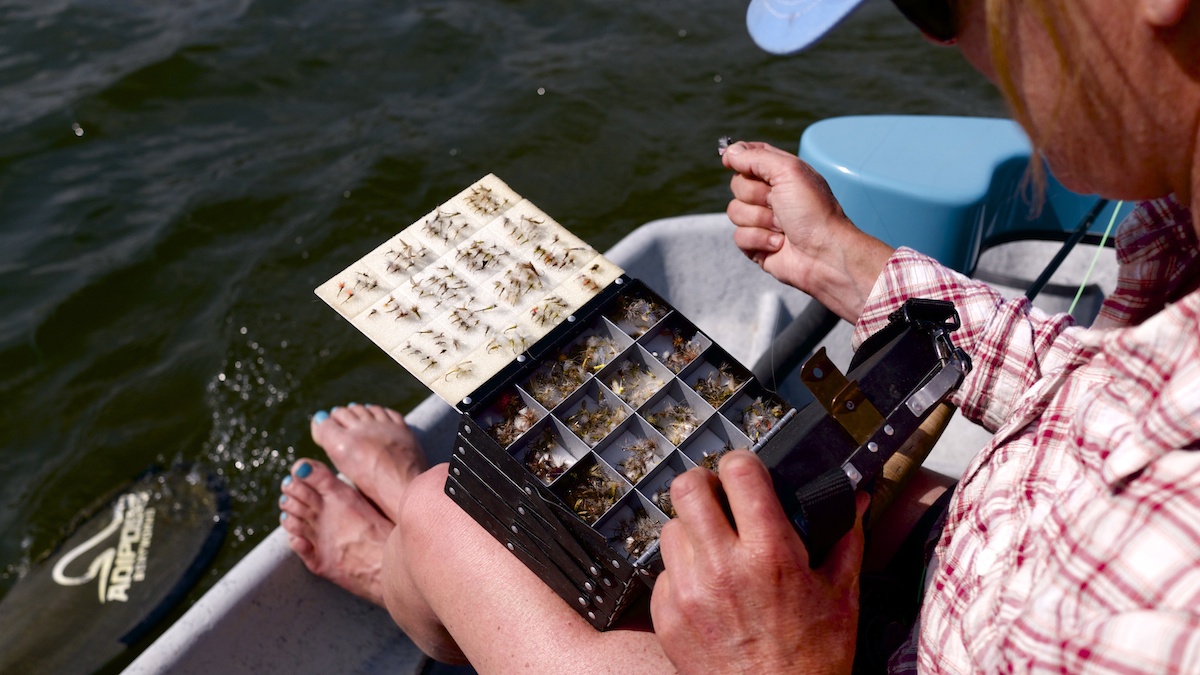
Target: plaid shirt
x: 1072, y: 543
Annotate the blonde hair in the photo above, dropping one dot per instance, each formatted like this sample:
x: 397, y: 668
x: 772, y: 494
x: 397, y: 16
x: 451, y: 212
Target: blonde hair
x: 1000, y: 33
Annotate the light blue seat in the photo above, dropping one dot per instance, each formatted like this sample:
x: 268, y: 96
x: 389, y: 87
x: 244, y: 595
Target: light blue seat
x: 949, y: 187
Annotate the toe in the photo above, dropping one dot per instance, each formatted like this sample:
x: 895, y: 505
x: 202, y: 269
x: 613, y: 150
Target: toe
x: 395, y: 417
x: 316, y: 476
x: 299, y: 501
x: 326, y: 426
x: 300, y: 486
x: 303, y: 547
x: 354, y: 412
x: 378, y: 413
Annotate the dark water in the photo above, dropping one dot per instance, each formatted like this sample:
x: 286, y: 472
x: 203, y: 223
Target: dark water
x: 175, y: 178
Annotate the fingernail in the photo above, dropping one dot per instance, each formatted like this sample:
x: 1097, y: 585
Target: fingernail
x: 775, y: 240
x: 283, y: 517
x: 320, y: 416
x: 287, y: 480
x: 735, y: 148
x: 303, y: 470
x: 282, y: 499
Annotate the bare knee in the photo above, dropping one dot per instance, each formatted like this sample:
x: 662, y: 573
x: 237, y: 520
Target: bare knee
x: 407, y: 548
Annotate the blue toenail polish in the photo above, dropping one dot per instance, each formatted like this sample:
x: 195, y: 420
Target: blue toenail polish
x: 334, y: 408
x: 320, y: 416
x: 287, y: 480
x: 352, y: 403
x: 303, y: 470
x: 282, y: 517
x: 282, y: 499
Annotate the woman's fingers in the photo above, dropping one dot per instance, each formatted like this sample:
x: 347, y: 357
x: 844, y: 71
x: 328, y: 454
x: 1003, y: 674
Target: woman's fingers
x: 749, y: 189
x: 754, y: 240
x: 749, y: 215
x: 756, y: 510
x: 696, y: 498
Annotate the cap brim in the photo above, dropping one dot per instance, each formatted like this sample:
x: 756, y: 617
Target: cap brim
x: 788, y: 26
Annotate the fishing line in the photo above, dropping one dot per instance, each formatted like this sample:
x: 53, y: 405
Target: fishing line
x: 1095, y: 258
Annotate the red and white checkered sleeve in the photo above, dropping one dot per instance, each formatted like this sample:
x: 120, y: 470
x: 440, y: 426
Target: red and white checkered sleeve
x: 1006, y: 338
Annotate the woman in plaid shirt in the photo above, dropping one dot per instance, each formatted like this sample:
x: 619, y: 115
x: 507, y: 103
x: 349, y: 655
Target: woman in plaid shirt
x: 1071, y: 543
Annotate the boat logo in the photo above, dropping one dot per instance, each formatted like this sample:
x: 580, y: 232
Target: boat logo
x: 117, y: 567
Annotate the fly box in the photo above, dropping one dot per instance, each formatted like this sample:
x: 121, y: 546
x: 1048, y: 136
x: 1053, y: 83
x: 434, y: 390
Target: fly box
x: 583, y: 393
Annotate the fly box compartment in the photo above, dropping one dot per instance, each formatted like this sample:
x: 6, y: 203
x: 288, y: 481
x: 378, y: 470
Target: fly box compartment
x: 567, y: 457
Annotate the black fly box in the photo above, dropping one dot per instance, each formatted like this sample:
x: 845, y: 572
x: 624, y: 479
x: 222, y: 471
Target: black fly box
x: 583, y: 393
x: 568, y: 458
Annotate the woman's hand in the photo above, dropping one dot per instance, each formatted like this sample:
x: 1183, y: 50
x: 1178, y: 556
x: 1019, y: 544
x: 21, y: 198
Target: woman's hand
x: 790, y: 223
x: 741, y: 597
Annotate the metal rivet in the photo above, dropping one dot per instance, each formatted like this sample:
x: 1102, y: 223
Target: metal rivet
x: 818, y: 373
x: 917, y: 408
x: 617, y: 564
x: 849, y: 405
x: 571, y: 319
x: 607, y: 581
x: 587, y: 586
x: 520, y: 358
x: 514, y: 529
x: 873, y: 446
x: 887, y: 429
x: 645, y: 572
x: 592, y: 616
x: 466, y: 400
x: 467, y: 430
x: 462, y: 450
x: 521, y: 510
x: 618, y: 281
x: 510, y: 546
x: 593, y: 570
x: 529, y: 491
x: 456, y: 471
x: 582, y: 601
x: 451, y: 490
x: 599, y: 600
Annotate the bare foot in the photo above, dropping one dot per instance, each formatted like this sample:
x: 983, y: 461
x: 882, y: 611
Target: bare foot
x: 336, y: 532
x: 374, y: 447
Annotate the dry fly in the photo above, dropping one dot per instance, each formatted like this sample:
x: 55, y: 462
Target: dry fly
x: 641, y: 456
x: 515, y: 419
x: 718, y: 385
x: 549, y: 310
x: 483, y: 200
x: 517, y: 281
x: 592, y: 494
x: 634, y: 383
x: 640, y: 314
x: 480, y: 255
x: 638, y: 533
x: 677, y: 421
x: 405, y: 258
x: 465, y: 318
x: 662, y: 499
x: 683, y: 350
x: 463, y: 369
x: 540, y: 460
x: 712, y: 459
x: 760, y: 417
x: 365, y: 282
x: 593, y: 424
x: 444, y: 226
x: 513, y: 338
x: 523, y: 229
